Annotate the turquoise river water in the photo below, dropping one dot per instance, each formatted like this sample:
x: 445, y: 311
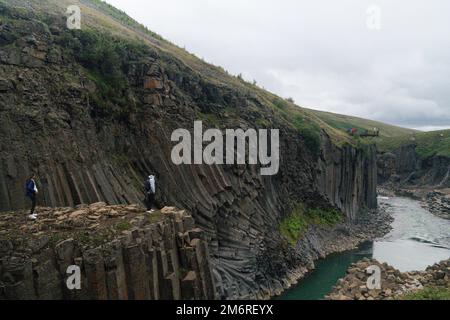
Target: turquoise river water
x: 418, y: 239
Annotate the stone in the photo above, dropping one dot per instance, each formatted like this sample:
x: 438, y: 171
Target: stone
x: 77, y: 214
x: 189, y: 289
x: 5, y: 247
x: 95, y: 274
x: 196, y: 233
x: 168, y: 210
x: 5, y: 85
x: 188, y: 223
x: 97, y: 205
x: 137, y: 275
x: 65, y: 253
x: 153, y: 84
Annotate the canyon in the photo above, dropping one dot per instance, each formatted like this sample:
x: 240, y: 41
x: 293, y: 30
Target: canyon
x: 404, y: 172
x: 92, y: 128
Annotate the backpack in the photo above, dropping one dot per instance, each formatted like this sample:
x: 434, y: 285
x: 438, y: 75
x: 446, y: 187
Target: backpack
x: 29, y: 187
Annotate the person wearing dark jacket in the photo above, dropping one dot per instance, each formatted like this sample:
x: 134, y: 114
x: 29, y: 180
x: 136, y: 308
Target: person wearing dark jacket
x: 150, y: 191
x: 31, y: 192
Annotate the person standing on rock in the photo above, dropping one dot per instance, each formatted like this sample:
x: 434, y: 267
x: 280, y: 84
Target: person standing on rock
x: 31, y: 192
x: 150, y: 191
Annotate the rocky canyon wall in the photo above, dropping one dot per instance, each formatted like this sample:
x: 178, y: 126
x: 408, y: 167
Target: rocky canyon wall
x: 348, y: 177
x: 51, y: 124
x: 120, y: 252
x: 404, y: 166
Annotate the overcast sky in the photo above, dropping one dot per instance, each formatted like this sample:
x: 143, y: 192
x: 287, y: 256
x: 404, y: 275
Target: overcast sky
x: 321, y: 52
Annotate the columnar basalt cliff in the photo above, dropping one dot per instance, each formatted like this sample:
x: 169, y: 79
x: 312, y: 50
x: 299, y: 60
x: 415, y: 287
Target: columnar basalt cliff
x: 122, y: 253
x: 88, y: 146
x: 348, y: 177
x: 403, y: 166
x: 403, y: 171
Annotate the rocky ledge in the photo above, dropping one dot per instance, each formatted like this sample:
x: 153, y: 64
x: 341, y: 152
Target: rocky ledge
x: 394, y: 284
x: 123, y: 252
x: 438, y: 202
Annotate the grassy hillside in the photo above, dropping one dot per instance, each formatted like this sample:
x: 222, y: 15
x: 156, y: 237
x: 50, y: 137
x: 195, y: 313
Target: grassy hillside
x: 103, y: 18
x: 428, y: 143
x: 392, y: 137
x: 344, y: 122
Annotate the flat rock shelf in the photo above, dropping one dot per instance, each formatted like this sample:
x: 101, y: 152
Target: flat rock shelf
x: 123, y: 252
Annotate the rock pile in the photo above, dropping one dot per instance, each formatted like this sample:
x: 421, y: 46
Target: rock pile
x: 393, y: 283
x: 83, y: 217
x: 122, y: 252
x: 439, y: 203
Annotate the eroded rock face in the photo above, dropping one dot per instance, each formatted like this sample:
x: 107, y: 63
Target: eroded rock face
x: 122, y: 251
x: 439, y: 203
x: 403, y: 167
x: 50, y: 124
x: 348, y: 177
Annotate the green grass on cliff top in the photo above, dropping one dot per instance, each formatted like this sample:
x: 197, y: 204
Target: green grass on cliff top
x: 428, y: 144
x: 344, y: 122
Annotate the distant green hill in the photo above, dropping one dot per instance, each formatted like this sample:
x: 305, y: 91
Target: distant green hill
x: 428, y: 144
x: 392, y: 137
x: 344, y: 122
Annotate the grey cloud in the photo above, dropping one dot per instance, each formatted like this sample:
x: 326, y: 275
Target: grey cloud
x: 321, y: 52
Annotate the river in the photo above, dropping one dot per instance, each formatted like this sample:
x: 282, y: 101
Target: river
x: 418, y: 239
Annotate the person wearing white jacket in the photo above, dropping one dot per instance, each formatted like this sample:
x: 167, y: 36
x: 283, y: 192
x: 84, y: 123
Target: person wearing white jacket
x: 150, y: 192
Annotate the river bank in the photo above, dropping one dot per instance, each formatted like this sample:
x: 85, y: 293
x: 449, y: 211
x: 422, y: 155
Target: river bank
x: 417, y: 240
x: 394, y: 284
x: 436, y: 200
x: 319, y: 243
